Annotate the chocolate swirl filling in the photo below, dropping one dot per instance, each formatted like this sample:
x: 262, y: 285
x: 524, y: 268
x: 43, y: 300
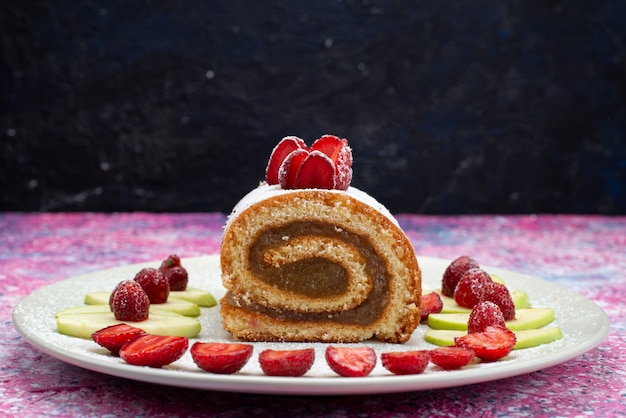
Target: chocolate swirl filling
x: 316, y: 276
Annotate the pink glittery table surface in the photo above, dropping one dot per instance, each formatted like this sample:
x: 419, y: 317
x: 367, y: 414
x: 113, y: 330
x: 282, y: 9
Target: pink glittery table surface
x: 584, y: 253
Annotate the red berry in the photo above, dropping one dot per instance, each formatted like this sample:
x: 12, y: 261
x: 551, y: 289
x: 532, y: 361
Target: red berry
x: 326, y: 165
x: 405, y: 362
x: 470, y: 288
x: 351, y: 361
x: 340, y: 154
x: 498, y: 293
x: 451, y: 358
x: 114, y: 337
x: 290, y: 167
x: 174, y: 272
x: 177, y: 277
x: 154, y: 283
x: 286, y: 362
x: 453, y: 273
x: 154, y: 350
x: 221, y: 358
x: 129, y: 302
x: 285, y: 147
x: 171, y: 261
x: 431, y: 303
x: 316, y: 172
x: 483, y: 315
x: 492, y: 344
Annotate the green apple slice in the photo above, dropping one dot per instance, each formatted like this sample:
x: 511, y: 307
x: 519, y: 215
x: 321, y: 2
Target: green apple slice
x: 82, y: 325
x: 198, y: 296
x: 520, y: 300
x: 451, y: 307
x: 89, y: 309
x: 525, y: 338
x: 496, y: 278
x: 530, y: 318
x: 443, y: 337
x: 534, y: 337
x: 179, y: 306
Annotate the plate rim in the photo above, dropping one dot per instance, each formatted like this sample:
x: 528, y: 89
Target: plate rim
x: 305, y: 385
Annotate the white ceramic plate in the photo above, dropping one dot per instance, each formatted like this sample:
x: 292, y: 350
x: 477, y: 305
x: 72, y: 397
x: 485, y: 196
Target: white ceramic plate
x: 583, y: 323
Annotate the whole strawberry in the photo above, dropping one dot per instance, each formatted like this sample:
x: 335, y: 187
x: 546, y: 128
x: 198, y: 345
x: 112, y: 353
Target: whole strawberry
x: 154, y: 283
x: 470, y: 288
x: 483, y: 315
x: 454, y: 272
x: 175, y: 273
x: 498, y: 293
x: 171, y: 261
x: 129, y: 302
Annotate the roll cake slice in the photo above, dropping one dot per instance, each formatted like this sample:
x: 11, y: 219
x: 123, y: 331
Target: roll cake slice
x: 314, y: 265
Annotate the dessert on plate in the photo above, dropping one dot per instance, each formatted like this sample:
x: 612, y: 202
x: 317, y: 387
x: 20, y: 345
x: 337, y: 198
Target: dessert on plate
x: 307, y: 258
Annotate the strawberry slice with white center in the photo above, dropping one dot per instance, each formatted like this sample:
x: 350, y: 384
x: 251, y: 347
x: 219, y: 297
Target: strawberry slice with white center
x: 285, y: 147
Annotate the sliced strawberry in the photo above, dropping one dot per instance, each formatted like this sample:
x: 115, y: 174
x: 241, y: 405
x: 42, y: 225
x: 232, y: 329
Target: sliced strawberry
x: 451, y: 358
x: 114, y: 337
x: 483, y: 315
x: 279, y: 153
x: 340, y: 154
x: 454, y: 272
x: 129, y: 302
x: 492, y: 344
x: 290, y: 167
x: 431, y: 303
x: 221, y: 358
x: 405, y: 362
x: 316, y: 172
x: 330, y: 145
x: 154, y: 350
x: 498, y: 293
x: 351, y: 361
x: 286, y: 362
x: 469, y: 290
x: 154, y: 283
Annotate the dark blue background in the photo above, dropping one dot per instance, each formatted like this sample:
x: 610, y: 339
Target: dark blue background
x: 450, y: 107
